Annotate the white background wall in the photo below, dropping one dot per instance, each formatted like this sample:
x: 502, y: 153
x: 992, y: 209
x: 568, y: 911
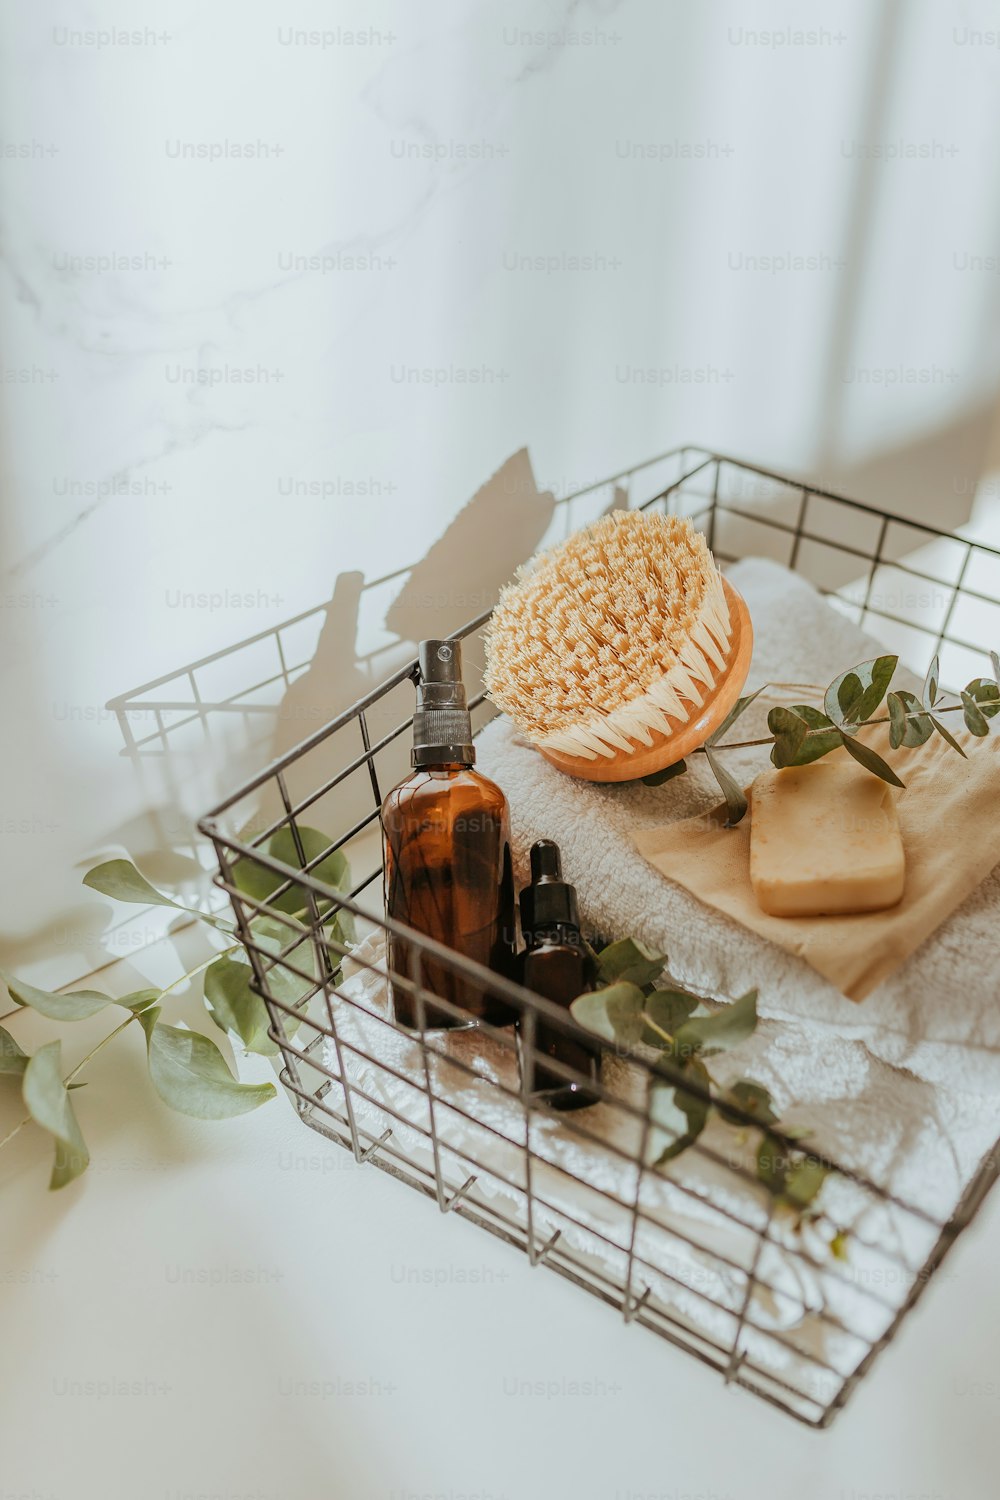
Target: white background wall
x: 793, y: 247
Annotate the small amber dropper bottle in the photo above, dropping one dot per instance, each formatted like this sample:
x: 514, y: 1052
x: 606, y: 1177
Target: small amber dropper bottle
x: 448, y: 870
x: 556, y: 964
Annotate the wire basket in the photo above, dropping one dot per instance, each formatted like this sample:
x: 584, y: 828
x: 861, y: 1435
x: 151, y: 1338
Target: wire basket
x: 701, y: 1255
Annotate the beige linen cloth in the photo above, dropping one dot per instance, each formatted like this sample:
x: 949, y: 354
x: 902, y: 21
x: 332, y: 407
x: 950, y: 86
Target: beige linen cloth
x: 949, y: 818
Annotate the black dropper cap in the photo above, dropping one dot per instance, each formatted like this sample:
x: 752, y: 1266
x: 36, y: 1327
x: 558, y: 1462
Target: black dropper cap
x: 442, y: 728
x: 548, y: 901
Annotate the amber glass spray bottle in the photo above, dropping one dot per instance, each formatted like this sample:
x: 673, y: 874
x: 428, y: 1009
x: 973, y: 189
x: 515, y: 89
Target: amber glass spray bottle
x: 556, y: 964
x: 448, y: 871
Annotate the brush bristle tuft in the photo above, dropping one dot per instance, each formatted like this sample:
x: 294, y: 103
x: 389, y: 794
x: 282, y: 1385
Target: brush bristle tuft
x: 609, y: 636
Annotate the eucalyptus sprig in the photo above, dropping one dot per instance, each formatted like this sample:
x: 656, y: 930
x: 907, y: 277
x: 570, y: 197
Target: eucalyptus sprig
x: 186, y: 1068
x: 634, y: 1008
x: 804, y: 733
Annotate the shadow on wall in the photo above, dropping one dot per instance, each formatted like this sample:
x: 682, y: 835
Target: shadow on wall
x: 932, y: 478
x: 458, y: 578
x: 195, y: 734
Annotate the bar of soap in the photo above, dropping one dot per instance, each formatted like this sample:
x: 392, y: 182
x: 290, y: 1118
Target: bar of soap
x: 824, y: 841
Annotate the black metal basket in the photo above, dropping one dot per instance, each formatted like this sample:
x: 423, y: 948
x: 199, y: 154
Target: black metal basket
x: 620, y: 1231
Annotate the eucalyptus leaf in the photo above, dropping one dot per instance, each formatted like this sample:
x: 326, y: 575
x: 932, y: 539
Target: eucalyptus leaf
x: 718, y: 1032
x: 814, y: 717
x: 986, y: 695
x: 839, y: 1245
x: 736, y: 802
x: 789, y: 730
x: 235, y: 1007
x: 190, y: 1073
x: 802, y: 734
x: 795, y: 1179
x: 12, y: 1060
x: 931, y: 682
x: 948, y: 737
x: 850, y: 690
x: 679, y: 1116
x: 854, y: 696
x: 289, y: 946
x: 260, y: 883
x: 140, y: 1000
x: 613, y: 1013
x: 823, y: 736
x: 995, y: 663
x: 772, y: 1163
x: 658, y: 778
x: 48, y: 1103
x: 630, y: 962
x: 119, y: 879
x: 341, y: 927
x: 669, y: 1124
x: 75, y: 1007
x: 975, y: 720
x: 753, y: 1099
x: 803, y: 1180
x: 907, y: 726
x: 871, y: 761
x: 882, y: 672
x: 666, y: 1009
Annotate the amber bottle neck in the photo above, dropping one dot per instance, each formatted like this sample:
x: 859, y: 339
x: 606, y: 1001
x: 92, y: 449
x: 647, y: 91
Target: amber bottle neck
x: 555, y: 935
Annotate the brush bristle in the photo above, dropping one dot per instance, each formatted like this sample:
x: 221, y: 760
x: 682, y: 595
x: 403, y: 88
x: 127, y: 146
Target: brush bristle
x: 606, y: 637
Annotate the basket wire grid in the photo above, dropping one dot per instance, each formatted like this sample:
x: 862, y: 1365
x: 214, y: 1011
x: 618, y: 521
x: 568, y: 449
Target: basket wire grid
x: 715, y: 1300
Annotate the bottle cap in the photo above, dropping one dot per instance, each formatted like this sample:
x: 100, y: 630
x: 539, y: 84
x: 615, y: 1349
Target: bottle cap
x: 549, y: 901
x: 442, y: 728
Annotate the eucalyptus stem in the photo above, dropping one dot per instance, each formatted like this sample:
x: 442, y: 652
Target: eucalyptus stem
x: 12, y: 1133
x: 196, y: 970
x: 94, y: 1050
x: 801, y: 733
x: 915, y: 713
x: 187, y: 1070
x: 190, y: 974
x: 658, y: 1029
